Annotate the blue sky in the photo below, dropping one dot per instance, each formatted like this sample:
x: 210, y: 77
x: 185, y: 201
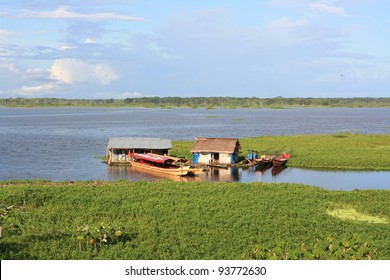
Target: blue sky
x: 119, y: 49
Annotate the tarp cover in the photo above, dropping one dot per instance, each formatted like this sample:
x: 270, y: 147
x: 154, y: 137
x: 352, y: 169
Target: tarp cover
x: 154, y: 158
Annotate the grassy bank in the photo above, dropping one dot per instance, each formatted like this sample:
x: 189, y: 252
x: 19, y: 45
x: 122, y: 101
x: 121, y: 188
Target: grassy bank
x: 338, y: 151
x: 173, y: 220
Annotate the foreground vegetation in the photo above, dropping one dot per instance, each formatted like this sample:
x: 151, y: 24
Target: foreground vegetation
x: 175, y: 220
x: 339, y: 151
x: 204, y: 102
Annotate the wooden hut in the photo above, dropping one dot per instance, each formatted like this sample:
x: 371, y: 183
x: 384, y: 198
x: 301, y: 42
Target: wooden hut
x: 119, y: 148
x: 216, y: 150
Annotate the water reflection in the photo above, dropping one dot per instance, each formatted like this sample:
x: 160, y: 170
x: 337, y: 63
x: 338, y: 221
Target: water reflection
x: 261, y: 170
x: 132, y: 174
x: 276, y: 170
x: 329, y: 179
x: 235, y: 174
x: 337, y: 180
x: 214, y: 174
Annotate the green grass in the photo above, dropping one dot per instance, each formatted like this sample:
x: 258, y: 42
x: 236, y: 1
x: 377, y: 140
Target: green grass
x: 338, y: 151
x: 175, y: 220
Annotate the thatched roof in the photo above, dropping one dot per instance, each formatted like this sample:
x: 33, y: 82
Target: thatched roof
x: 139, y: 143
x: 215, y: 145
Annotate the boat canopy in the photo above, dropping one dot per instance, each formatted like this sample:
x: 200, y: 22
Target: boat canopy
x: 153, y: 158
x: 139, y: 143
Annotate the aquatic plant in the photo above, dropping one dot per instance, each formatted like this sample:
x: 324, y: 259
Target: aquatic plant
x: 350, y: 248
x: 192, y: 220
x: 100, y: 236
x: 9, y: 220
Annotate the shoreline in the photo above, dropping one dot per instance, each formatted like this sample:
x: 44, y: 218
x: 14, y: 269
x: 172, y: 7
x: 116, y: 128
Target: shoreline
x: 202, y: 102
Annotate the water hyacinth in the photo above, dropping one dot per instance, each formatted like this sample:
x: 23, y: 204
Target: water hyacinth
x: 192, y: 220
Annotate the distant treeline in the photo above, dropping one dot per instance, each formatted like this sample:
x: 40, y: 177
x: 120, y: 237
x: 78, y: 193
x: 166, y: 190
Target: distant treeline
x: 203, y: 102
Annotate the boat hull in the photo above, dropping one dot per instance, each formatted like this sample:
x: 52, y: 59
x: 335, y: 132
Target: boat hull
x: 279, y: 162
x: 195, y: 171
x: 263, y: 162
x: 177, y: 171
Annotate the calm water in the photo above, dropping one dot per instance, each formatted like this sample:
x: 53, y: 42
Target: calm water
x: 335, y: 180
x: 63, y: 143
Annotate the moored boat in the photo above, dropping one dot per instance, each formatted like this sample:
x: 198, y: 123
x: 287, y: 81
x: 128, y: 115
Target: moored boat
x: 194, y: 171
x: 264, y: 160
x: 281, y: 159
x: 159, y: 164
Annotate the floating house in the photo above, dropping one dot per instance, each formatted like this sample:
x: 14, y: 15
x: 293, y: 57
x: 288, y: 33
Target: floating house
x: 119, y: 148
x: 216, y: 150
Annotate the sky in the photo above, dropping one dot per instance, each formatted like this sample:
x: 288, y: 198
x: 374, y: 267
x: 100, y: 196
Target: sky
x: 124, y: 49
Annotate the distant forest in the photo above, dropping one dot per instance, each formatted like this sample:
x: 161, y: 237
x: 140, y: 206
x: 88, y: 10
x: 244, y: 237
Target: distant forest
x: 200, y: 102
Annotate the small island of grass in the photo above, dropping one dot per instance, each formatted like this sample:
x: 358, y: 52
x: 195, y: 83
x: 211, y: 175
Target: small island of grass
x: 343, y: 151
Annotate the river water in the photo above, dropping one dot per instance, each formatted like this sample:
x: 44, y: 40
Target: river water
x: 64, y: 143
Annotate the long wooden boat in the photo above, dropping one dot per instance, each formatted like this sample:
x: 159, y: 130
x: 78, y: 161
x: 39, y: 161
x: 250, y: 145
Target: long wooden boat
x: 264, y: 160
x: 159, y: 164
x: 195, y: 171
x: 281, y: 159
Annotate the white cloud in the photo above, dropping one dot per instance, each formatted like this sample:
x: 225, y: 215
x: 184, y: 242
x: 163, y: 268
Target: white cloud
x: 4, y: 34
x: 134, y: 94
x: 322, y: 6
x: 8, y: 69
x: 63, y: 77
x: 285, y: 32
x: 73, y: 71
x: 285, y: 22
x: 124, y: 95
x: 35, y: 74
x: 34, y: 91
x: 29, y: 82
x: 89, y: 41
x: 325, y: 7
x: 63, y: 13
x: 66, y: 47
x: 162, y: 52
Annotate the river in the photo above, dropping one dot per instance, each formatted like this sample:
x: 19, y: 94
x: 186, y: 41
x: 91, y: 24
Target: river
x: 64, y: 143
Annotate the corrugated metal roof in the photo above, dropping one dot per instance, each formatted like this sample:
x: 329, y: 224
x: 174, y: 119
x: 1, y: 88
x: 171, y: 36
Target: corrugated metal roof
x: 215, y: 145
x: 139, y: 143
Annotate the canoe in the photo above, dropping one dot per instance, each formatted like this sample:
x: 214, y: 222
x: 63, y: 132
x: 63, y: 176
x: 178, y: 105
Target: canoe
x: 264, y: 160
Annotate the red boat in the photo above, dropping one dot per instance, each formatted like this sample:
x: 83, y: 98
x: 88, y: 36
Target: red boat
x: 281, y: 159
